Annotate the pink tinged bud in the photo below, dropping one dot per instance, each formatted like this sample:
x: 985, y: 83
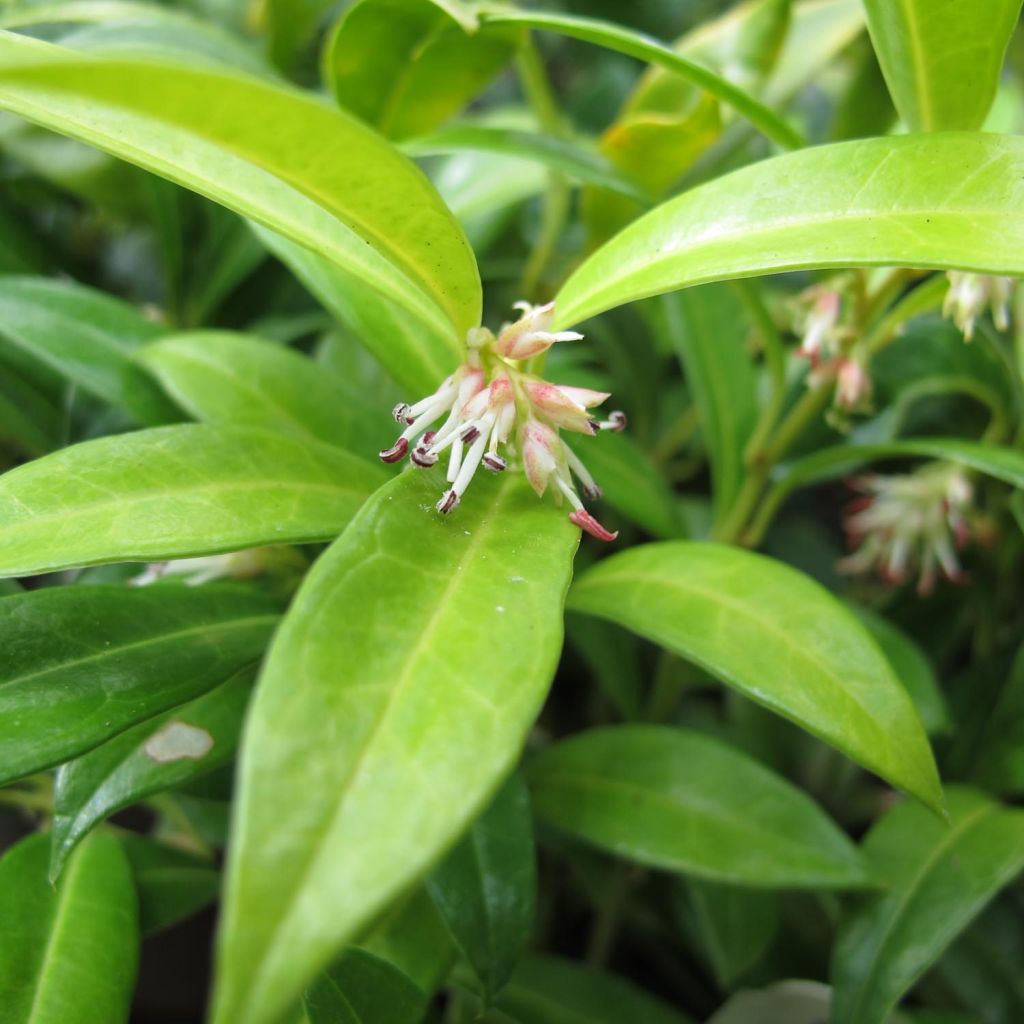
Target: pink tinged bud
x: 558, y: 408
x: 449, y: 501
x: 820, y: 325
x: 853, y: 385
x: 585, y: 521
x: 529, y: 335
x: 584, y: 396
x: 397, y: 452
x: 541, y: 449
x: 494, y: 462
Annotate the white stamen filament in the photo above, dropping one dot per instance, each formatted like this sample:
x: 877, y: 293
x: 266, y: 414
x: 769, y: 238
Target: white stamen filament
x: 456, y: 459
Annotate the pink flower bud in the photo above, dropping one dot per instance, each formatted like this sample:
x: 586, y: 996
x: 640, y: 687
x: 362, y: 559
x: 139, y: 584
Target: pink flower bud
x: 529, y: 335
x: 541, y: 452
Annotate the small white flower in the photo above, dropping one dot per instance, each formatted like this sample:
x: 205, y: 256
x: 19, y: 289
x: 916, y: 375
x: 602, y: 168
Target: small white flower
x: 490, y: 404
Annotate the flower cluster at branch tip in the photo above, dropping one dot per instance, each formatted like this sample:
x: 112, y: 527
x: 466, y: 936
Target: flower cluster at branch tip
x: 910, y: 523
x: 826, y: 344
x: 491, y: 405
x: 970, y: 295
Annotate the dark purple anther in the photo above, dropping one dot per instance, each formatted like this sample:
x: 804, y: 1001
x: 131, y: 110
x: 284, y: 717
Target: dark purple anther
x: 470, y: 435
x: 395, y: 453
x: 448, y: 501
x: 400, y: 412
x: 494, y: 462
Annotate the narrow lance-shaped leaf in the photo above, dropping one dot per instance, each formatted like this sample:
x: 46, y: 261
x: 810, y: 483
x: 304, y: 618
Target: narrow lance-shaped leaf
x: 224, y: 377
x: 84, y: 663
x: 88, y: 338
x: 942, y: 61
x: 172, y: 492
x: 877, y: 202
x: 165, y: 751
x: 643, y: 47
x: 397, y: 694
x: 405, y: 66
x: 70, y: 952
x: 939, y: 876
x: 586, y: 166
x: 675, y: 799
x: 775, y: 635
x: 485, y: 888
x: 320, y: 177
x: 709, y: 330
x: 171, y: 883
x: 415, y: 355
x: 360, y: 988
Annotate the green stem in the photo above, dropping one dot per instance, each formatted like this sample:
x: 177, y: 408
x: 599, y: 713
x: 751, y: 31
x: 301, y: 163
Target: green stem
x: 677, y: 435
x: 537, y: 89
x: 27, y: 800
x: 609, y: 914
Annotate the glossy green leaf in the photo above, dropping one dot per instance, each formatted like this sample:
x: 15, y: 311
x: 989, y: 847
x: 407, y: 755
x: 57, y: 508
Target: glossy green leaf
x: 999, y: 748
x: 486, y: 887
x: 30, y: 420
x: 775, y: 635
x: 584, y: 165
x: 67, y: 953
x: 171, y: 883
x: 162, y: 752
x: 224, y: 377
x: 709, y: 330
x: 290, y: 26
x: 320, y: 178
x: 412, y: 935
x: 875, y: 202
x: 172, y: 492
x: 84, y: 663
x: 679, y: 800
x: 408, y: 670
x: 551, y: 990
x: 911, y: 667
x: 939, y: 877
x: 1006, y: 464
x: 733, y: 926
x: 88, y: 338
x: 942, y: 58
x: 405, y: 66
x: 643, y: 47
x: 787, y: 1002
x: 417, y: 357
x: 360, y: 988
x: 633, y: 485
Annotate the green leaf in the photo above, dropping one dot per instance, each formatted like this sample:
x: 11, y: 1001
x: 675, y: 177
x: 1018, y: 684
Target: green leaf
x: 939, y: 876
x: 30, y: 421
x: 360, y: 988
x: 734, y: 926
x: 787, y: 1002
x: 67, y: 953
x: 184, y: 744
x: 999, y: 746
x: 416, y: 356
x: 679, y: 800
x: 875, y: 202
x: 172, y: 492
x: 550, y: 990
x: 584, y: 165
x: 1006, y: 464
x: 412, y: 935
x: 406, y: 66
x: 486, y: 887
x: 709, y: 330
x: 84, y: 663
x: 632, y: 484
x: 775, y: 635
x: 171, y: 883
x: 88, y: 338
x: 320, y: 178
x: 396, y: 694
x: 941, y: 61
x: 643, y: 47
x: 290, y: 26
x: 911, y: 667
x: 224, y: 377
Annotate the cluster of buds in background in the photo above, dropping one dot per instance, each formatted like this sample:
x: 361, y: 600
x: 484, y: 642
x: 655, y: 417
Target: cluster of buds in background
x: 910, y: 523
x: 830, y: 347
x: 970, y: 295
x: 494, y: 409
